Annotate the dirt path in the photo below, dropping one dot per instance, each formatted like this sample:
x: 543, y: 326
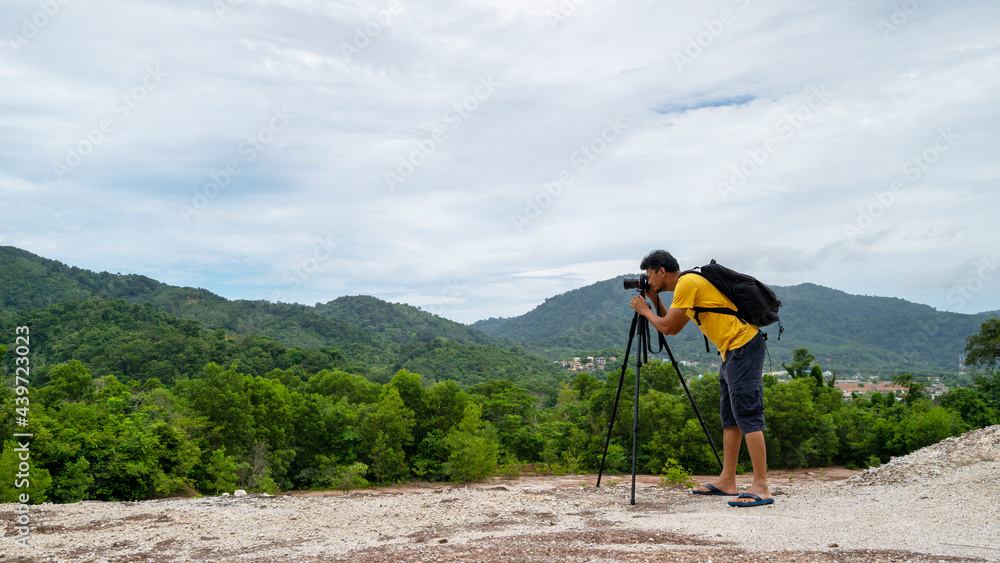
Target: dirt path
x: 818, y: 516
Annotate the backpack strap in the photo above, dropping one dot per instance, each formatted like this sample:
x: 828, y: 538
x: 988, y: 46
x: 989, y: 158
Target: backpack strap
x: 719, y: 310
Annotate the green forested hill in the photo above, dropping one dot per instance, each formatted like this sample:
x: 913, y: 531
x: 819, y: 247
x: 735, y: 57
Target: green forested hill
x: 368, y: 335
x: 399, y: 323
x: 850, y: 333
x: 137, y: 342
x: 28, y: 281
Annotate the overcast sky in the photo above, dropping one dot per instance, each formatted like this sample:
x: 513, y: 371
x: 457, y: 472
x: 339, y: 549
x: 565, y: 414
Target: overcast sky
x: 474, y: 158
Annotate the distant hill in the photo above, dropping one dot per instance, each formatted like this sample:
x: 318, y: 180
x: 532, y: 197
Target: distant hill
x: 850, y: 333
x: 399, y: 323
x: 373, y: 336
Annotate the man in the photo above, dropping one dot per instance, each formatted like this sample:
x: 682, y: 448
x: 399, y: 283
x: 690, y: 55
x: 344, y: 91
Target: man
x: 742, y: 348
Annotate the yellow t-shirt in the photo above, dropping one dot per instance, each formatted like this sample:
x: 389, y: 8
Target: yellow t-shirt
x: 725, y: 331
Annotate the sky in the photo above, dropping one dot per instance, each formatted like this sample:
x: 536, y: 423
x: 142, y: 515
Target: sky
x: 475, y: 158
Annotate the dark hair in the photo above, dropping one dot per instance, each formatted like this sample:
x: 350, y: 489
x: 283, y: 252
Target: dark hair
x: 660, y: 259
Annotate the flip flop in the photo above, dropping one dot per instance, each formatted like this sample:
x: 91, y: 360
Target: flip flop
x: 757, y: 500
x: 712, y: 490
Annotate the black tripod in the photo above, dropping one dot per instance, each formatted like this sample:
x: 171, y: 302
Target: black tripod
x: 641, y: 324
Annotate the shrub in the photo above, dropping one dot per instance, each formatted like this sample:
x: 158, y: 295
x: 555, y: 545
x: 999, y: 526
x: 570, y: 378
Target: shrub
x: 675, y: 474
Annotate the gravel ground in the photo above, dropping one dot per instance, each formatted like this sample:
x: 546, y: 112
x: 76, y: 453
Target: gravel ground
x: 938, y: 504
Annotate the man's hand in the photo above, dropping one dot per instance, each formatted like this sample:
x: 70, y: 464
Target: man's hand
x: 654, y: 298
x: 670, y: 323
x: 640, y: 305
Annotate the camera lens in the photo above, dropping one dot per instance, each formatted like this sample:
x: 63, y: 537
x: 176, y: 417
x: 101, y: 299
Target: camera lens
x: 641, y: 283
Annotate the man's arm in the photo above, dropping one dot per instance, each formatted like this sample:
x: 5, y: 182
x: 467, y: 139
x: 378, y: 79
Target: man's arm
x: 655, y: 298
x: 670, y: 323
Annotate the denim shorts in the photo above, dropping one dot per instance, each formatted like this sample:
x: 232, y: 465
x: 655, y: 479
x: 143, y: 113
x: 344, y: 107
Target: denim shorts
x: 742, y: 387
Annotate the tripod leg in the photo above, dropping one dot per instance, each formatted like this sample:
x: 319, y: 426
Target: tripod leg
x: 614, y: 410
x: 640, y: 358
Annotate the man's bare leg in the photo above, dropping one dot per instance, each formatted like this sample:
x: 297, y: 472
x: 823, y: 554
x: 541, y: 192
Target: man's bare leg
x: 758, y: 457
x: 731, y: 440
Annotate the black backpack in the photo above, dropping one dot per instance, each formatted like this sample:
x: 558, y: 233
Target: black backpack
x: 755, y: 303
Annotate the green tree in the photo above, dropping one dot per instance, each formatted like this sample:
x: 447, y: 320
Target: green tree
x: 801, y: 360
x: 473, y: 447
x: 914, y: 390
x: 36, y: 485
x: 983, y: 349
x: 799, y: 434
x: 817, y: 374
x: 973, y: 405
x: 337, y: 383
x: 216, y: 473
x: 221, y: 398
x: 70, y: 382
x: 927, y: 426
x: 385, y: 428
x: 510, y: 409
x: 663, y: 417
x: 660, y: 375
x: 323, y: 434
x: 445, y: 405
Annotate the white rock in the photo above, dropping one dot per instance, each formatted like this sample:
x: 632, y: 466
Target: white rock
x: 240, y: 493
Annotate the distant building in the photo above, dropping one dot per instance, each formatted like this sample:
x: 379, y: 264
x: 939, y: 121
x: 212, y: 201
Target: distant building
x: 936, y: 390
x: 855, y: 386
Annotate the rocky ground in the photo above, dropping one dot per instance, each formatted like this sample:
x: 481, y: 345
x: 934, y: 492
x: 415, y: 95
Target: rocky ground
x: 937, y: 504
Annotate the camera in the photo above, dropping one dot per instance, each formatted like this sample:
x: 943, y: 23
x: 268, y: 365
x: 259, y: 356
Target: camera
x: 641, y: 283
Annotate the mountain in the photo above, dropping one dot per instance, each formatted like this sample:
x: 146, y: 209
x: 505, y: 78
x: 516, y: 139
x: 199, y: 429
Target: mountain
x: 850, y: 333
x: 370, y: 335
x: 400, y: 323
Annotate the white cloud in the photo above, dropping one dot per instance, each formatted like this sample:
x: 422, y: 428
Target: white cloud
x: 446, y: 237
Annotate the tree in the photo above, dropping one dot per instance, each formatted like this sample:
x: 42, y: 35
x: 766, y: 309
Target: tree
x: 660, y: 375
x: 983, y: 349
x: 11, y: 489
x: 69, y: 382
x: 385, y: 428
x: 411, y: 390
x: 221, y: 397
x: 339, y: 383
x: 973, y: 405
x: 473, y: 447
x: 586, y: 383
x: 923, y: 428
x: 914, y: 390
x: 817, y: 374
x: 799, y: 434
x: 801, y: 359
